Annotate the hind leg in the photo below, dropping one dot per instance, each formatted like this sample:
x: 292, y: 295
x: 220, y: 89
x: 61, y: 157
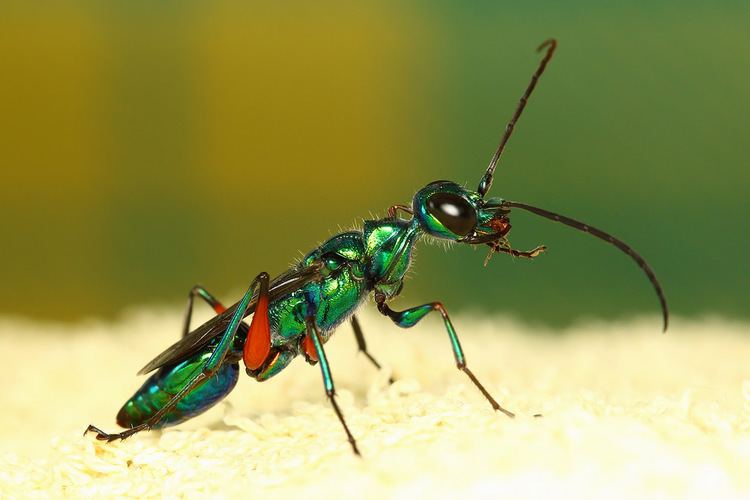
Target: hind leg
x: 207, y: 370
x: 205, y: 295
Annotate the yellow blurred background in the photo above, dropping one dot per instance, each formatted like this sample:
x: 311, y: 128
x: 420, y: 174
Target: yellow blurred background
x: 146, y: 147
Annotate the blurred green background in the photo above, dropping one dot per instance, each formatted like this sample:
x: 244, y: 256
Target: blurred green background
x: 147, y: 146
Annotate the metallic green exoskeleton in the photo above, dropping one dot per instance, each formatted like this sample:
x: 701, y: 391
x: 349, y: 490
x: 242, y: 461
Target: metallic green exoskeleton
x: 296, y: 313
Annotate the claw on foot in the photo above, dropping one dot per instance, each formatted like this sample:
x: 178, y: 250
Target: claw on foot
x: 105, y: 436
x: 503, y: 246
x: 100, y: 434
x: 535, y: 252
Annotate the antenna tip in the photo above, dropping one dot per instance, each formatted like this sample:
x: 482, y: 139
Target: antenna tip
x: 550, y: 42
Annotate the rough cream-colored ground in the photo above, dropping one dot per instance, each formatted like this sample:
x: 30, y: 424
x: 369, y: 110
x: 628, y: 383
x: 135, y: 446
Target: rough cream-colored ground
x: 628, y: 413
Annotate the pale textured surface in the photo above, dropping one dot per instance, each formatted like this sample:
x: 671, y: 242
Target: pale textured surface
x: 627, y: 412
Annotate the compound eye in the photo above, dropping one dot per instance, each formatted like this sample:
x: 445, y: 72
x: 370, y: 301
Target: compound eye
x: 453, y: 212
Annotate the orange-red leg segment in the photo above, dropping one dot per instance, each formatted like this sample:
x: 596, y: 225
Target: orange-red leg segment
x: 258, y: 342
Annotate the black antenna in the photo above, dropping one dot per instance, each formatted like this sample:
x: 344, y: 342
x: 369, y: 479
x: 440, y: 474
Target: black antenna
x: 609, y: 239
x: 486, y: 183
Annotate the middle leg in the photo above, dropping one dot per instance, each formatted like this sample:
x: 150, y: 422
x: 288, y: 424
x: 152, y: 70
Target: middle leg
x: 314, y: 334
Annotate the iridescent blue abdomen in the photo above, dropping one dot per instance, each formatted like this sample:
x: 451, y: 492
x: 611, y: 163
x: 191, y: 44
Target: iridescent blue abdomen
x: 166, y: 382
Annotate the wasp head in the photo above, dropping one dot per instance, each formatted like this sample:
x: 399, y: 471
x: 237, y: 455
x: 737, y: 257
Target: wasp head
x: 449, y: 211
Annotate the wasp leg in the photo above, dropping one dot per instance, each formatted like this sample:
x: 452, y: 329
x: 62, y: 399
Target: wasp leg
x: 363, y: 345
x: 207, y: 371
x: 205, y: 295
x: 314, y: 334
x: 529, y: 254
x: 412, y: 316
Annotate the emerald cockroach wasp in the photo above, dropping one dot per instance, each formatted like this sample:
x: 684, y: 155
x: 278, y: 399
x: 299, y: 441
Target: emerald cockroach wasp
x: 296, y: 312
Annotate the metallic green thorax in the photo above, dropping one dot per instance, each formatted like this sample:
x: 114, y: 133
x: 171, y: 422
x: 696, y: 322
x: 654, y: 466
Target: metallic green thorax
x: 355, y: 263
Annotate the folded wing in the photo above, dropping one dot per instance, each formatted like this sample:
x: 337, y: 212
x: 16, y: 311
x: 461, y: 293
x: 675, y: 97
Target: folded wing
x: 194, y: 341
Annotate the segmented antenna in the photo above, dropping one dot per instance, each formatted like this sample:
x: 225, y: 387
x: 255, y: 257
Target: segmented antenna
x: 486, y: 183
x: 609, y: 239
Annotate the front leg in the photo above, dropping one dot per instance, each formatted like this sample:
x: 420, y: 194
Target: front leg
x: 502, y: 246
x: 527, y: 254
x: 412, y: 316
